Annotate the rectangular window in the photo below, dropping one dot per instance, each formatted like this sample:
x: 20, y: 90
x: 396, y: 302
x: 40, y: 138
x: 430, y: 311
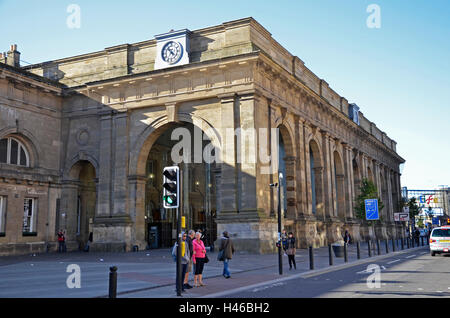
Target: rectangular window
x: 29, y: 215
x: 2, y: 214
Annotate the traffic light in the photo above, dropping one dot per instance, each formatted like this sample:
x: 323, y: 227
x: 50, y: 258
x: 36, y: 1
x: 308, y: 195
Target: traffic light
x: 171, y: 187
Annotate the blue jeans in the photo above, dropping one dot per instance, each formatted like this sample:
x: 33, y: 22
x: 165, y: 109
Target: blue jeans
x: 226, y: 272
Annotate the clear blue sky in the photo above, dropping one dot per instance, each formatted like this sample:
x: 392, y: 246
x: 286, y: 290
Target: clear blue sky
x: 398, y: 74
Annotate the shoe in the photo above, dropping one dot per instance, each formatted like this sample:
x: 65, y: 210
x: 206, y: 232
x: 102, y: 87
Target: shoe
x: 227, y: 276
x: 187, y: 286
x: 201, y: 284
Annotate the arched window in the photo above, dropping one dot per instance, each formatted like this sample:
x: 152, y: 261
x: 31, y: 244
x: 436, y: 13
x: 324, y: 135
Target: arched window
x: 13, y: 152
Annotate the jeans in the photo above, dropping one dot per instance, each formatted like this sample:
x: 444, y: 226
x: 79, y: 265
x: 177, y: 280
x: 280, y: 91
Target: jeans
x: 226, y: 271
x: 183, y: 273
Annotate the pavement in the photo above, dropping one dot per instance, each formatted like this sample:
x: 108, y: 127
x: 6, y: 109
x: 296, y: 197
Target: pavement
x: 151, y: 274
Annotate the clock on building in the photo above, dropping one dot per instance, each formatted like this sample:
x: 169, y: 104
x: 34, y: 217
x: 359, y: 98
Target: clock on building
x: 172, y: 52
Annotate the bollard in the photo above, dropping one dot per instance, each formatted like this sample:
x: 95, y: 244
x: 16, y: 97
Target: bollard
x: 407, y: 242
x: 330, y: 255
x: 113, y: 282
x: 428, y: 241
x: 402, y: 244
x: 387, y: 246
x: 358, y: 251
x: 311, y: 258
x: 370, y: 252
x: 421, y: 239
x: 378, y: 247
x: 345, y: 253
x: 393, y: 245
x: 412, y: 242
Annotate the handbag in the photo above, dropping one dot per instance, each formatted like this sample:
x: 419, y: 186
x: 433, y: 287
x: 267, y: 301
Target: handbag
x: 206, y: 259
x: 220, y: 256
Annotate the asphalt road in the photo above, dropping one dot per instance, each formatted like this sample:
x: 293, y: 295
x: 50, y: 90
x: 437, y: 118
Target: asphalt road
x: 412, y: 274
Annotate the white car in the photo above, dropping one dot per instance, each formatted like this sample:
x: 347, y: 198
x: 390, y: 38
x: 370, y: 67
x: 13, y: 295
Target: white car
x: 440, y: 240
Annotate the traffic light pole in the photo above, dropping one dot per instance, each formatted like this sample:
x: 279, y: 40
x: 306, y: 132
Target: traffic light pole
x: 179, y: 238
x: 280, y: 246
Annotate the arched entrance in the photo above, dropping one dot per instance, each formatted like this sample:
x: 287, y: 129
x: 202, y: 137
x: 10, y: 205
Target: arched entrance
x: 82, y: 195
x: 339, y: 176
x: 316, y: 173
x: 180, y: 144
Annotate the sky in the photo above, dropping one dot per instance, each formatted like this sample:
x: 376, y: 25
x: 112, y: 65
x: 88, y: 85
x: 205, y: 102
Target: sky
x: 398, y: 73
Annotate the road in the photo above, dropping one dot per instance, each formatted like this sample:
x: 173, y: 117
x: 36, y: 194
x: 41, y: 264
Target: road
x: 412, y: 274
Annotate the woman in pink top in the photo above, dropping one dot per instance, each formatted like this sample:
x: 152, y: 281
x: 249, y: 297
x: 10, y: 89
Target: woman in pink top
x: 198, y: 258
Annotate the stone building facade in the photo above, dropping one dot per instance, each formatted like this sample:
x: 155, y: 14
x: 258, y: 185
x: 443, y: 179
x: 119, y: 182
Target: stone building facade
x: 99, y: 124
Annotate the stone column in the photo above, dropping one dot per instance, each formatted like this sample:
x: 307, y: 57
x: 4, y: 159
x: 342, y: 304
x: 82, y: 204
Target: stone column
x: 136, y: 197
x: 121, y: 151
x: 68, y: 215
x: 104, y: 208
x: 328, y: 179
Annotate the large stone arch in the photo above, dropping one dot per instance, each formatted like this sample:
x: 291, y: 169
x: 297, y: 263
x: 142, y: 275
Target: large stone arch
x: 290, y: 160
x: 137, y: 164
x: 79, y: 199
x: 339, y: 178
x: 151, y: 133
x: 316, y: 178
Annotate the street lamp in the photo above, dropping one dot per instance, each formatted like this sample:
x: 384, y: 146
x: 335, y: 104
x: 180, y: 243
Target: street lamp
x: 279, y: 243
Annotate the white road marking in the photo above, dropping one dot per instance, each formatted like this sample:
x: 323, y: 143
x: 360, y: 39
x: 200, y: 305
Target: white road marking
x: 397, y: 260
x: 410, y: 256
x: 419, y: 288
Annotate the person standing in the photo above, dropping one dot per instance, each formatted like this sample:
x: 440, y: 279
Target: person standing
x: 226, y: 245
x: 198, y: 258
x: 291, y: 250
x: 185, y: 258
x: 284, y: 238
x: 189, y: 239
x: 61, y: 241
x: 347, y: 237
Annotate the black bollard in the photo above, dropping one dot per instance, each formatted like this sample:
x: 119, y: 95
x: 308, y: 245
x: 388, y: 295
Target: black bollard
x: 330, y: 255
x: 311, y: 258
x: 378, y: 247
x: 345, y: 253
x: 113, y: 282
x: 402, y: 244
x: 370, y: 251
x: 413, y: 243
x: 387, y: 246
x: 421, y: 239
x: 358, y: 251
x: 393, y: 245
x: 407, y: 242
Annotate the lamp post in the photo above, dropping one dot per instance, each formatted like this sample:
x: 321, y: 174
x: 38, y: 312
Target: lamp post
x: 280, y: 253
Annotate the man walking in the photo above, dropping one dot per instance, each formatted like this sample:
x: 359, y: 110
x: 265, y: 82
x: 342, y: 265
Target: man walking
x: 227, y: 250
x: 189, y: 240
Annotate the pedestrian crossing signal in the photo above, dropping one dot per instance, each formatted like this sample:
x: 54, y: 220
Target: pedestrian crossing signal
x: 171, y: 187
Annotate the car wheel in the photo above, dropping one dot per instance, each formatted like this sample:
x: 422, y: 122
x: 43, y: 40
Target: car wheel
x: 433, y: 253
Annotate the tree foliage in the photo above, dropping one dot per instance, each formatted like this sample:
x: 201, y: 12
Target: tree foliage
x: 368, y: 190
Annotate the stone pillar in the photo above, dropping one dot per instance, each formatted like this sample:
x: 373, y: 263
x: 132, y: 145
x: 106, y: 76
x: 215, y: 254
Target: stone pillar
x: 105, y: 160
x: 243, y: 210
x: 120, y: 164
x: 327, y: 177
x: 68, y: 215
x: 136, y: 197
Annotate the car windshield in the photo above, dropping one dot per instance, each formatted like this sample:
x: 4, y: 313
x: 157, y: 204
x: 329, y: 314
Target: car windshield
x: 441, y: 233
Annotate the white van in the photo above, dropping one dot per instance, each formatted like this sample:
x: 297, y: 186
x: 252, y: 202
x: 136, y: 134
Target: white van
x: 440, y: 240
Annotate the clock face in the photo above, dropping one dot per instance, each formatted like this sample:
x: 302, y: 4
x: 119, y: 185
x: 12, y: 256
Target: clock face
x: 172, y: 52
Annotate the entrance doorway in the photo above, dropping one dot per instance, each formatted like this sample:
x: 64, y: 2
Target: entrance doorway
x: 200, y: 180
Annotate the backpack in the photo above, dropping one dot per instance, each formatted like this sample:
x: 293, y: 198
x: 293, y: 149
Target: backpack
x: 174, y: 252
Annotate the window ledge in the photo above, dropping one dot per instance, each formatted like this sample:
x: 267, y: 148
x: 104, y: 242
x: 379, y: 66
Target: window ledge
x: 29, y: 233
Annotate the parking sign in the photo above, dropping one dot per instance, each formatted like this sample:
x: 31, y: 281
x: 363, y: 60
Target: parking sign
x: 371, y: 209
